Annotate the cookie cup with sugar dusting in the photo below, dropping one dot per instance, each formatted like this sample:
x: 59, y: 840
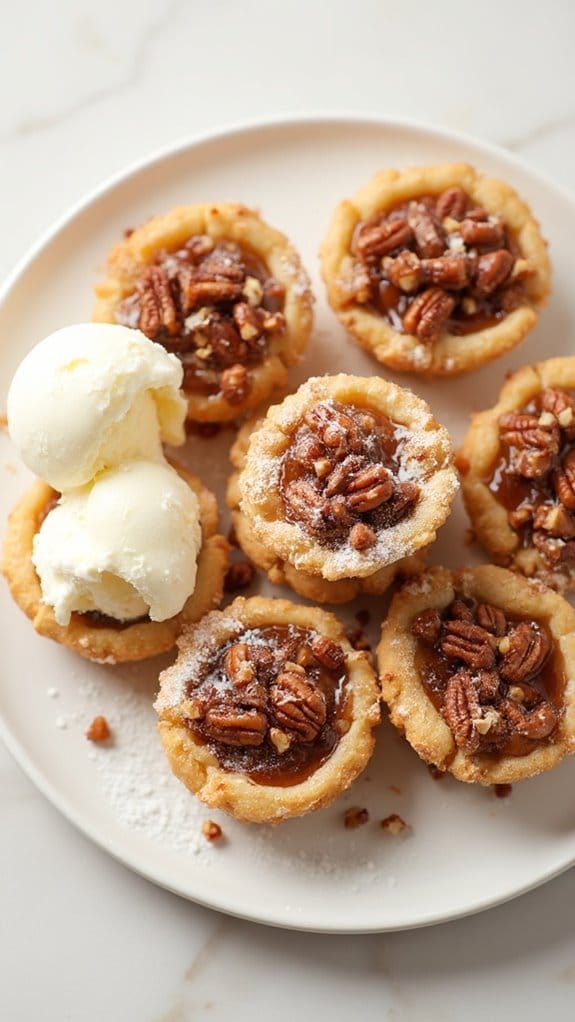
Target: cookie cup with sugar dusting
x: 477, y: 668
x: 268, y: 711
x: 347, y: 476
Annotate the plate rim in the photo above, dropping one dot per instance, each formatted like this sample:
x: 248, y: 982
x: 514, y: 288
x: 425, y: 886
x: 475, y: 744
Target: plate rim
x: 230, y: 131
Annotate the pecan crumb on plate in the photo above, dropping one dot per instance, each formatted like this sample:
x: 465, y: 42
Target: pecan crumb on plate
x: 99, y: 730
x: 212, y: 831
x: 355, y: 817
x: 394, y: 824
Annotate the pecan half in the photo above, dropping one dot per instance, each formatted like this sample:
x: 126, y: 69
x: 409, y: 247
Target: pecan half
x: 328, y: 653
x: 537, y: 723
x: 491, y: 618
x: 234, y: 726
x: 492, y: 269
x: 298, y: 705
x: 370, y: 488
x: 377, y: 240
x: 460, y: 611
x: 536, y: 444
x: 429, y: 236
x: 528, y: 650
x: 562, y: 406
x: 469, y: 643
x: 450, y: 271
x: 481, y: 234
x: 428, y: 314
x: 452, y: 203
x: 564, y: 481
x: 461, y: 711
x: 157, y: 306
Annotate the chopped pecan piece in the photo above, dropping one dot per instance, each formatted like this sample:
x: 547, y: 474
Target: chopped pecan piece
x: 328, y: 653
x: 238, y: 666
x: 239, y: 575
x: 298, y: 705
x: 235, y: 726
x: 99, y: 730
x: 355, y: 817
x: 491, y: 618
x: 536, y: 444
x: 405, y: 271
x: 235, y: 384
x: 362, y: 536
x: 469, y: 643
x: 394, y: 824
x: 555, y: 520
x: 528, y: 650
x: 487, y: 685
x: 428, y: 314
x: 212, y: 831
x: 427, y: 626
x: 562, y: 406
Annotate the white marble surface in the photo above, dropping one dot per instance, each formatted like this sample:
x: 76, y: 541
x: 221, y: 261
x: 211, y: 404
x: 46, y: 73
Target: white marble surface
x: 86, y: 89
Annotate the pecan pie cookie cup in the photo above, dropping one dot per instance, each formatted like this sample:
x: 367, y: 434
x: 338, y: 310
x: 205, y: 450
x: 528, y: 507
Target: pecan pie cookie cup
x: 92, y: 635
x: 281, y: 572
x: 436, y: 270
x: 268, y: 711
x: 346, y: 477
x: 478, y: 670
x: 221, y: 289
x: 517, y: 463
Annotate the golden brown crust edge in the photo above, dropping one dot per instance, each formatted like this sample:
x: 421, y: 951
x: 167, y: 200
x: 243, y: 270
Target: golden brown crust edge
x: 197, y: 767
x: 411, y: 710
x: 477, y: 456
x: 450, y: 355
x: 234, y: 222
x: 100, y: 644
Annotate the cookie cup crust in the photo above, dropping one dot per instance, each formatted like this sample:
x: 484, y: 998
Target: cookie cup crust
x: 222, y: 222
x: 410, y: 708
x: 477, y: 457
x: 104, y: 644
x: 280, y: 572
x: 197, y: 766
x: 427, y: 458
x: 450, y: 355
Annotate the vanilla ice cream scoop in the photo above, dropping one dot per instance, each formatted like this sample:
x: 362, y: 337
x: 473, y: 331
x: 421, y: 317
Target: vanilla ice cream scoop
x: 126, y: 545
x: 91, y: 396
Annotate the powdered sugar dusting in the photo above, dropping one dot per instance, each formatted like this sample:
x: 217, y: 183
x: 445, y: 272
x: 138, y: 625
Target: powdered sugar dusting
x: 206, y: 637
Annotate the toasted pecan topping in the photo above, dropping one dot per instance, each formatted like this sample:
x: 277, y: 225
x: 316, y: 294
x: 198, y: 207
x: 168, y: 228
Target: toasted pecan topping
x: 535, y: 476
x: 215, y: 305
x: 437, y: 263
x: 488, y: 675
x: 270, y: 701
x: 339, y: 476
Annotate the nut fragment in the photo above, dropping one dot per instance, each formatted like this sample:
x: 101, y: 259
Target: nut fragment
x: 280, y: 740
x: 362, y: 536
x: 394, y: 824
x: 239, y: 575
x: 235, y: 384
x: 212, y: 831
x: 427, y: 626
x: 99, y: 730
x: 355, y: 817
x: 328, y: 653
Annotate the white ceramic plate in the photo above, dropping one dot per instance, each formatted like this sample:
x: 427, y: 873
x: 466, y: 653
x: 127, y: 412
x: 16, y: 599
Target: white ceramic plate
x: 467, y: 850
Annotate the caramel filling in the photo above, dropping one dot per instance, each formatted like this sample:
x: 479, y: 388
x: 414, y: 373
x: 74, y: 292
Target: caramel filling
x: 340, y: 475
x: 534, y: 476
x: 214, y: 305
x: 437, y: 263
x: 496, y: 679
x: 272, y: 703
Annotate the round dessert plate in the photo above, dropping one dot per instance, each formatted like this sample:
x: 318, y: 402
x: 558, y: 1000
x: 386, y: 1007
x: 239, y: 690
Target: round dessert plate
x: 465, y: 849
